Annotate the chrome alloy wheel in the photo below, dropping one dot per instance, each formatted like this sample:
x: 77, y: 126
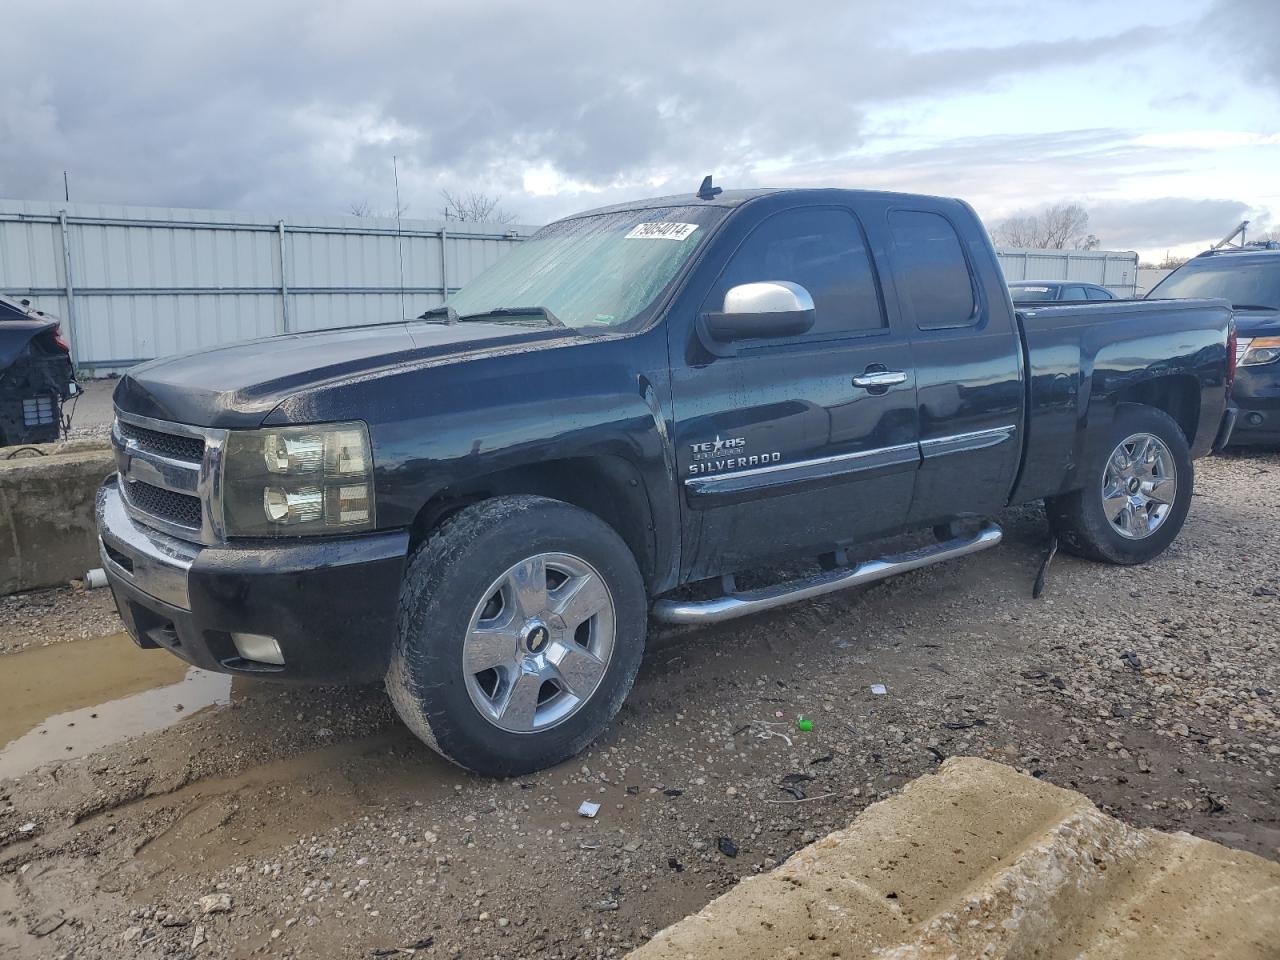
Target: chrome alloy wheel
x: 539, y: 643
x: 1139, y: 486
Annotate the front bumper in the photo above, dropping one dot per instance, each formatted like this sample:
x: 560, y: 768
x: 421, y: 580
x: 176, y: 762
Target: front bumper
x: 330, y: 603
x: 1256, y: 392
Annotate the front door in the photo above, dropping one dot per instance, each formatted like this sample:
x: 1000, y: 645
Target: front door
x: 795, y: 445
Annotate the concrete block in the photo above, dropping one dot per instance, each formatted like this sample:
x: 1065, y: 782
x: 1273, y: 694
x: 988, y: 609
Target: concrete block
x: 981, y: 861
x: 47, y: 533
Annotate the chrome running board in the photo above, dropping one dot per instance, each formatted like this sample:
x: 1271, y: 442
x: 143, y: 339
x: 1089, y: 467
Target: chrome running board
x: 740, y: 604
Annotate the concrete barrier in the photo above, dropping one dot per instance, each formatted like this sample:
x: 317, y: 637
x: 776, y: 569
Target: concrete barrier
x: 47, y: 534
x: 981, y: 861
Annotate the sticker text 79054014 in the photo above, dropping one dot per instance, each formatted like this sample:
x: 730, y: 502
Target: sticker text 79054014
x: 661, y: 230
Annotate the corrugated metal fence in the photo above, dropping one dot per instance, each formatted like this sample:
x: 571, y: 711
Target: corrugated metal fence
x: 133, y: 283
x: 1113, y: 269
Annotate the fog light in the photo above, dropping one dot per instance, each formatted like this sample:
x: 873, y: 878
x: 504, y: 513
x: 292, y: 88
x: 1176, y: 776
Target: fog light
x: 255, y: 646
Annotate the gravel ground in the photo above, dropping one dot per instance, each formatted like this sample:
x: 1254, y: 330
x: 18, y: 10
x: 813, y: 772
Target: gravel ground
x: 92, y: 413
x: 42, y: 617
x: 307, y: 822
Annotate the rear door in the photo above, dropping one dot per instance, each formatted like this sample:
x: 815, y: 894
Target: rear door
x: 780, y: 452
x: 967, y: 356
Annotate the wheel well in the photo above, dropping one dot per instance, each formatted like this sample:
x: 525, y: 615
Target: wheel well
x: 609, y: 487
x: 1178, y: 396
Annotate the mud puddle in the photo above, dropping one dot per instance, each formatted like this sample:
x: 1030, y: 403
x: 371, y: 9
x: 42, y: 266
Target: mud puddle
x: 70, y: 699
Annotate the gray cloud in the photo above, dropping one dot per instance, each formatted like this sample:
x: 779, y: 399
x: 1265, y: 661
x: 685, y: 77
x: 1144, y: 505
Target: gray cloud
x: 1163, y: 222
x: 298, y: 105
x: 1246, y: 34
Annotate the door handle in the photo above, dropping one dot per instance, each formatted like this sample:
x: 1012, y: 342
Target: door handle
x: 880, y: 378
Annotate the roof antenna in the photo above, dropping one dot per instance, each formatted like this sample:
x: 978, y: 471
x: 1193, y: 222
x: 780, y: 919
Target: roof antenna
x: 707, y: 191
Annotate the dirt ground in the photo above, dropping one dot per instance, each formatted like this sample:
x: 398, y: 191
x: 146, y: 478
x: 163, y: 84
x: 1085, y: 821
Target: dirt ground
x: 241, y: 819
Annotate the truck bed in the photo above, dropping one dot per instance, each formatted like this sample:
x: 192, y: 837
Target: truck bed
x: 1083, y: 359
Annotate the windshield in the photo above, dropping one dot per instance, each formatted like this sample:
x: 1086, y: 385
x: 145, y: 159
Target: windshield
x: 1030, y: 293
x: 1245, y: 282
x: 600, y: 271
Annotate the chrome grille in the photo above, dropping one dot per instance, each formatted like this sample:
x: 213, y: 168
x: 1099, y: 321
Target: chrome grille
x: 167, y: 505
x: 169, y: 475
x: 190, y: 449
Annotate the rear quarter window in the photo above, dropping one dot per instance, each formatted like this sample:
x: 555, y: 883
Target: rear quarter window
x: 933, y: 275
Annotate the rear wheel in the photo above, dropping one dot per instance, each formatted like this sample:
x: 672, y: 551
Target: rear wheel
x: 1136, y: 493
x: 522, y: 625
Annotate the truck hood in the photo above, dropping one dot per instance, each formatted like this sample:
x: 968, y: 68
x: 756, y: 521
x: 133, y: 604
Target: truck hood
x: 238, y: 385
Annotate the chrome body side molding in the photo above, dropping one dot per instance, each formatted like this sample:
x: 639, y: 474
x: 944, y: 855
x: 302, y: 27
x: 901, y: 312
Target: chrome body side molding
x: 733, y: 485
x: 966, y: 442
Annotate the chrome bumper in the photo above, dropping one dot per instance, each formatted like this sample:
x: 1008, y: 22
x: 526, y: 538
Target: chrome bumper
x: 151, y: 561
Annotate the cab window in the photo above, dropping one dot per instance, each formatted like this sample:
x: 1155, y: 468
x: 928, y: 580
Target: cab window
x: 823, y: 250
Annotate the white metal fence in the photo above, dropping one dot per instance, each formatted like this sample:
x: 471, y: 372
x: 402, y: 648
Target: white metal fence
x: 133, y: 283
x: 1116, y: 270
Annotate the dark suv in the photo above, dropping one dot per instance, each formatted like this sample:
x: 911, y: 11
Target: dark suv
x: 1249, y: 277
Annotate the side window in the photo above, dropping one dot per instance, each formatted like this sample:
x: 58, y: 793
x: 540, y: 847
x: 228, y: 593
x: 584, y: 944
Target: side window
x: 1097, y: 293
x: 933, y: 275
x: 820, y: 248
x: 1074, y: 293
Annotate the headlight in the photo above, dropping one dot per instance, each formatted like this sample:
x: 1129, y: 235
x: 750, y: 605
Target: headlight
x: 291, y: 481
x: 1261, y: 350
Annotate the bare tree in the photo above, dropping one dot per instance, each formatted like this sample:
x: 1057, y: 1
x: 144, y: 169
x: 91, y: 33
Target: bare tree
x: 1171, y: 262
x: 474, y: 207
x: 1059, y: 227
x: 365, y: 209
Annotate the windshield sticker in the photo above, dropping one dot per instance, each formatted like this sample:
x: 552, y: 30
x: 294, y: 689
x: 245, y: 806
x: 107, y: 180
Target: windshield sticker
x: 661, y: 230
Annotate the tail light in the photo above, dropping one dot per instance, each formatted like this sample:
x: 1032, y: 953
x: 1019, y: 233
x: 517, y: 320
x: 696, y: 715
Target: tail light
x: 1231, y: 353
x: 65, y: 347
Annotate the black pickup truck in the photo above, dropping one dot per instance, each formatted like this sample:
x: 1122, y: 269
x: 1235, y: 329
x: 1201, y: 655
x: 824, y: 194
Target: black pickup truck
x: 484, y: 506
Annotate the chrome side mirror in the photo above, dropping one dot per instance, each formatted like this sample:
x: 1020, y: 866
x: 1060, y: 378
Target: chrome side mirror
x: 769, y: 308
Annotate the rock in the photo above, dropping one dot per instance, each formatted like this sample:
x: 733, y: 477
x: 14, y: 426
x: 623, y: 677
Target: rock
x: 132, y: 934
x: 47, y: 925
x: 727, y: 846
x: 198, y: 938
x: 215, y: 903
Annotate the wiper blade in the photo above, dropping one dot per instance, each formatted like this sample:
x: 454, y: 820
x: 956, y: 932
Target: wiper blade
x: 1252, y: 306
x: 443, y: 312
x: 551, y: 318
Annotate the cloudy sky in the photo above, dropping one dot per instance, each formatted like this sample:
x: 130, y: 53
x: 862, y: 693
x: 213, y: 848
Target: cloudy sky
x: 1163, y: 119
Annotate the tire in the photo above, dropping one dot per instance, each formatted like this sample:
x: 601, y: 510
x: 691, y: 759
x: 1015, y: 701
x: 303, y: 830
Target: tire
x: 554, y: 685
x: 1083, y: 519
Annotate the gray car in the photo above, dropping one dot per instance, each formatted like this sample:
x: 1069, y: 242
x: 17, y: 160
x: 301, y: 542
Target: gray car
x: 1025, y: 291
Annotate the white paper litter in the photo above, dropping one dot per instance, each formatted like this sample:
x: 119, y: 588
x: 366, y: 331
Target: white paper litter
x: 588, y: 809
x: 879, y: 689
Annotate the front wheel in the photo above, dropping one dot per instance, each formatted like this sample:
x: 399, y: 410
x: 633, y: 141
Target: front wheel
x: 1136, y: 492
x: 522, y: 625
